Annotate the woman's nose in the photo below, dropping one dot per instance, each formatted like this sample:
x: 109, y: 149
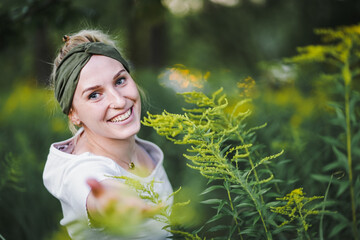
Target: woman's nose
x: 116, y: 100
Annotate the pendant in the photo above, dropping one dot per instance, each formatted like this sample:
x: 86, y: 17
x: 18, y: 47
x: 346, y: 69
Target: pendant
x: 131, y: 165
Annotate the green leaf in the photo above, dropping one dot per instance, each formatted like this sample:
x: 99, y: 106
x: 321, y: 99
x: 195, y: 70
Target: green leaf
x: 244, y: 205
x: 271, y: 204
x: 341, y: 157
x: 221, y: 205
x: 321, y: 178
x: 224, y: 150
x: 355, y: 139
x: 256, y: 219
x: 332, y: 166
x: 212, y: 201
x: 263, y: 191
x: 215, y: 218
x: 331, y: 141
x: 343, y: 186
x: 211, y: 188
x: 218, y: 228
x: 237, y: 191
x: 238, y: 199
x: 284, y: 228
x: 338, y: 228
x: 249, y: 231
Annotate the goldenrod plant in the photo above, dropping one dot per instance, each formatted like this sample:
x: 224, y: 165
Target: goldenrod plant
x: 223, y: 149
x: 340, y: 57
x: 295, y: 209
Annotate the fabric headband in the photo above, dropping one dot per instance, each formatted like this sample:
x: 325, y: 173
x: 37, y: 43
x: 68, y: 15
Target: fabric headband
x: 68, y: 72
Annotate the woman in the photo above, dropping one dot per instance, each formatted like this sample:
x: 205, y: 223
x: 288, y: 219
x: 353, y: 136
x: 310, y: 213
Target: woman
x: 93, y: 85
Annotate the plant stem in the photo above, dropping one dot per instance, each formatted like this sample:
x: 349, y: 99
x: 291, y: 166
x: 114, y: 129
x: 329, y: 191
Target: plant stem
x: 232, y: 209
x: 321, y: 231
x: 258, y: 181
x: 247, y: 190
x: 251, y: 164
x: 347, y: 79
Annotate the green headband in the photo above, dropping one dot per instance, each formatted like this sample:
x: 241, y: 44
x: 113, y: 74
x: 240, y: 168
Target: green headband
x: 68, y: 72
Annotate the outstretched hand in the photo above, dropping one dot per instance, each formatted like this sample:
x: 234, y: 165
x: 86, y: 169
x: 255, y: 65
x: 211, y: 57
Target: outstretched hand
x: 113, y: 205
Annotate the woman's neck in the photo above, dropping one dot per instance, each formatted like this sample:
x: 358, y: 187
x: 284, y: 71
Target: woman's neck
x: 122, y: 151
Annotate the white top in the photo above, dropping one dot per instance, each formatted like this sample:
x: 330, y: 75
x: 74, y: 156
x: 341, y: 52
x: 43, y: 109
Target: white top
x: 65, y: 177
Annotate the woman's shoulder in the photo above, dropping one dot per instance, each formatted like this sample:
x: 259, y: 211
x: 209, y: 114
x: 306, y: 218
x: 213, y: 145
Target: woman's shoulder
x: 151, y: 148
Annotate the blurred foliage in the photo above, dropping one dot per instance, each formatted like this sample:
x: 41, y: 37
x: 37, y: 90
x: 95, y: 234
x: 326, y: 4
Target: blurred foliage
x: 229, y: 39
x: 28, y: 123
x: 341, y: 53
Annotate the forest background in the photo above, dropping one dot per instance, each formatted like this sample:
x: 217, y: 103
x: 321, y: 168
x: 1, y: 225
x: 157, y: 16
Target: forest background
x: 176, y: 46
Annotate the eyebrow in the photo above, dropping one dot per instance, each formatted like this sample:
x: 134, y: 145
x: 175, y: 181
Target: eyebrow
x: 119, y: 73
x: 90, y: 89
x: 98, y: 86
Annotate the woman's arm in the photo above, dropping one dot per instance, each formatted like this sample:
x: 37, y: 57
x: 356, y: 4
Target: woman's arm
x: 112, y: 199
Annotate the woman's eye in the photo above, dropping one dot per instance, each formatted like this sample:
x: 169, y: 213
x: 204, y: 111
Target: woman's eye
x: 120, y: 81
x: 94, y: 95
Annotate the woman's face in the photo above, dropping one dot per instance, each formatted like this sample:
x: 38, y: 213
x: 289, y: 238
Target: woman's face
x: 106, y: 100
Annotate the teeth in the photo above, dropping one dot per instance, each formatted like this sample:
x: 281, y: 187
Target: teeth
x: 122, y: 117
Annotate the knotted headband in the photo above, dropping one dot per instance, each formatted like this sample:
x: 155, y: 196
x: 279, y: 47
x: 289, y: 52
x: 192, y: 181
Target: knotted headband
x: 68, y: 72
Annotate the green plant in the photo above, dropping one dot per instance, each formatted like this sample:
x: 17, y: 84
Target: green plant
x: 294, y: 209
x: 340, y: 56
x: 28, y: 211
x: 224, y: 150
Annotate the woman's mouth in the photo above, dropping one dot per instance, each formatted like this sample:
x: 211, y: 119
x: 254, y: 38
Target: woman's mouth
x: 121, y: 117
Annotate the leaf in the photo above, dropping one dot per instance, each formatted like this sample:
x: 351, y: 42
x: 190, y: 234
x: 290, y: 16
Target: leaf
x: 256, y: 219
x: 224, y: 150
x: 211, y: 188
x: 219, y: 227
x: 263, y: 191
x: 321, y: 178
x: 212, y: 201
x: 215, y: 218
x: 342, y: 188
x: 250, y: 214
x: 338, y: 228
x: 341, y: 157
x: 355, y: 139
x: 271, y: 204
x: 284, y: 228
x: 238, y: 199
x: 331, y: 141
x: 244, y: 205
x: 249, y: 231
x: 237, y: 191
x: 220, y: 206
x: 332, y: 166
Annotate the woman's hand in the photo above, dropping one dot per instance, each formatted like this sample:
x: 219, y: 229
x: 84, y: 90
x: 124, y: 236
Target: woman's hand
x: 114, y: 206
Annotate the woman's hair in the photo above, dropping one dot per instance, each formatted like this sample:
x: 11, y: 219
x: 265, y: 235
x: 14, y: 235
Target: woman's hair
x: 74, y: 40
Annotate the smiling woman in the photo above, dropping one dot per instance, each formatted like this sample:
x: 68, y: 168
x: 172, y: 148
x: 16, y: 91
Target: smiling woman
x: 94, y: 88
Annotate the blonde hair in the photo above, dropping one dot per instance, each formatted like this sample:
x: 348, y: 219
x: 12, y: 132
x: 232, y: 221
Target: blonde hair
x: 74, y: 40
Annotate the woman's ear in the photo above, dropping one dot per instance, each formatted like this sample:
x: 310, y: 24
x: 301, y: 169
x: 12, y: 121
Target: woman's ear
x: 73, y: 117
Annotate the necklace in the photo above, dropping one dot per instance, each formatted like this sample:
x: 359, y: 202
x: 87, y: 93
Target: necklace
x: 131, y: 165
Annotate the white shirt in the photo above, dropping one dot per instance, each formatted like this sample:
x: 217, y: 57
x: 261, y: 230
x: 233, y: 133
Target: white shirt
x: 65, y: 177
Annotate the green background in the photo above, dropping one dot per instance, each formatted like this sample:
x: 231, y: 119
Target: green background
x: 250, y: 38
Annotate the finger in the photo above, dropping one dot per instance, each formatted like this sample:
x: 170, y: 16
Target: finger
x: 96, y: 187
